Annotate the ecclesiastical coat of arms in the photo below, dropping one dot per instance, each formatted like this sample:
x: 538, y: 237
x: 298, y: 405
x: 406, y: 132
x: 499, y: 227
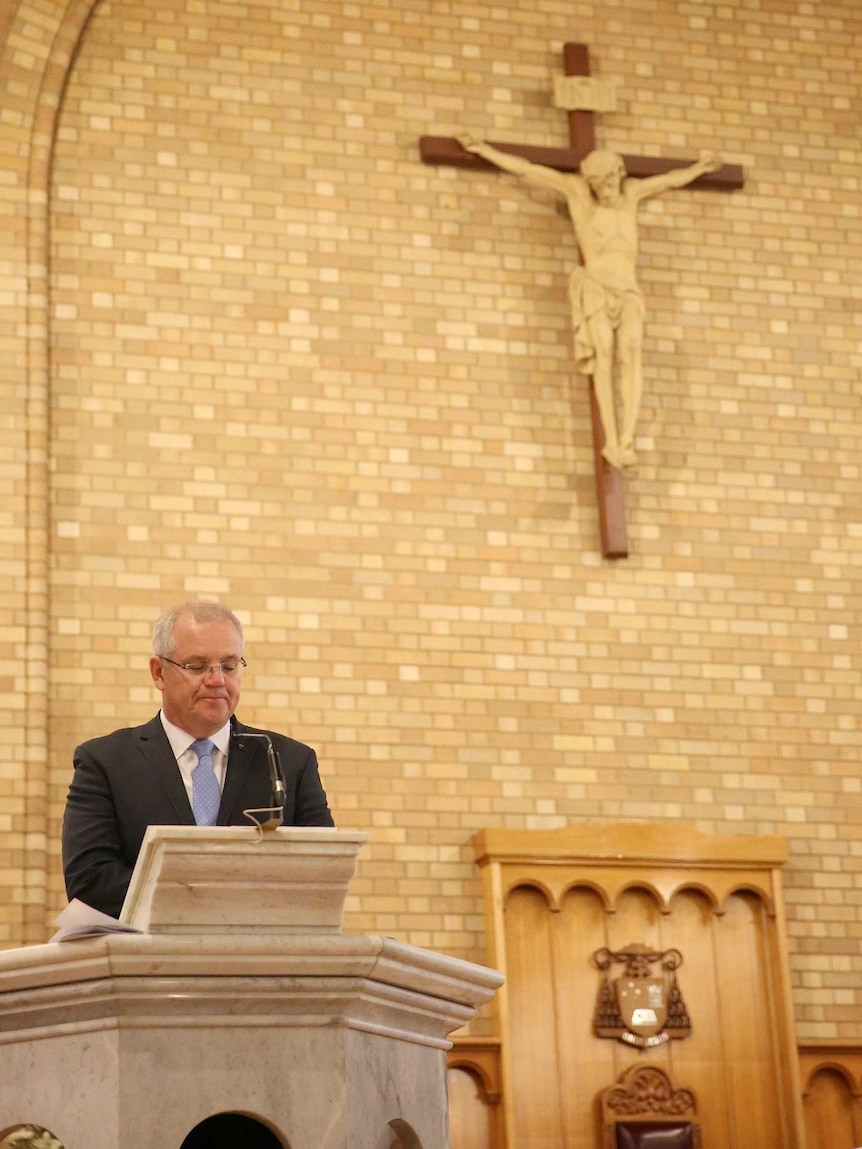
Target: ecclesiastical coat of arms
x: 643, y: 1006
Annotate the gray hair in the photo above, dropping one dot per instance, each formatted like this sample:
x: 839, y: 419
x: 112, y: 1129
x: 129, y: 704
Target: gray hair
x: 163, y: 631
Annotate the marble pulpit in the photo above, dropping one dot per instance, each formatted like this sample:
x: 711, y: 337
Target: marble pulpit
x: 241, y: 999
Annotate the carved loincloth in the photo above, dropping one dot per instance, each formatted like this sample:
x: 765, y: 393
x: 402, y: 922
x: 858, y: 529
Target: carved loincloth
x: 588, y: 298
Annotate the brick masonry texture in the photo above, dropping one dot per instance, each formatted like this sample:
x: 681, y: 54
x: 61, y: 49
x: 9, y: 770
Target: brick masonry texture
x: 252, y: 349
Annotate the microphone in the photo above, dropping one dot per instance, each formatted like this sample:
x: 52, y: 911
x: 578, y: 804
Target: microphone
x: 279, y: 793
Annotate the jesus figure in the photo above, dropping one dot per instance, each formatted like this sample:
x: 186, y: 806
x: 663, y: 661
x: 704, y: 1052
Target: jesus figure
x: 606, y: 302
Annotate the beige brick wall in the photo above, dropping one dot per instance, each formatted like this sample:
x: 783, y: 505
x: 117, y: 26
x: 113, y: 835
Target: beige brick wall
x: 253, y: 349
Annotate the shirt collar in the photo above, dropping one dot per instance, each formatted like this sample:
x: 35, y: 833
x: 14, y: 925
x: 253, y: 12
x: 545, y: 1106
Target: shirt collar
x: 180, y: 740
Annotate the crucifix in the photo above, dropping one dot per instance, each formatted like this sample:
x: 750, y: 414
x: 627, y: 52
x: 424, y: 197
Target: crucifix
x: 611, y: 272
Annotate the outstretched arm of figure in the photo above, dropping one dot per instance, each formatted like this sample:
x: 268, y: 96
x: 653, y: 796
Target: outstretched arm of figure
x: 518, y: 166
x: 677, y: 178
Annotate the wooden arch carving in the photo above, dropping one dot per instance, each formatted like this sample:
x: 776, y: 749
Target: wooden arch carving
x: 838, y: 1069
x: 831, y: 1071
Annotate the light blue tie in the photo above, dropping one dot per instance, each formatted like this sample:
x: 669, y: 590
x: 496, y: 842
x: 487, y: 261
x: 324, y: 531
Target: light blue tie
x: 206, y: 793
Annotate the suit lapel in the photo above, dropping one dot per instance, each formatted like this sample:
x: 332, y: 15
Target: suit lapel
x: 154, y: 745
x: 240, y: 757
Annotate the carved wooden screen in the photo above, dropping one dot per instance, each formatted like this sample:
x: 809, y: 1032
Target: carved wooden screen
x: 473, y: 1078
x: 555, y: 898
x: 832, y: 1093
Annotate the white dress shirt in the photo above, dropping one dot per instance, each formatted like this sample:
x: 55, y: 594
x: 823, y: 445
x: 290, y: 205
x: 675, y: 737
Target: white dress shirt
x: 181, y: 742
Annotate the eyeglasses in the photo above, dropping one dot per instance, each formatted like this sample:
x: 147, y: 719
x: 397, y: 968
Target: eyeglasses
x: 201, y: 669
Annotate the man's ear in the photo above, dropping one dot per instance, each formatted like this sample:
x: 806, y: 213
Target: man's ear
x: 158, y: 672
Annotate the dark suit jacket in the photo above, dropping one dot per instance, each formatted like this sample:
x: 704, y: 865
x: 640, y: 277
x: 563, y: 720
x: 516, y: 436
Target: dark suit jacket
x: 129, y: 780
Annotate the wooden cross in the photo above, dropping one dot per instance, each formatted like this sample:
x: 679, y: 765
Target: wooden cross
x: 610, y: 483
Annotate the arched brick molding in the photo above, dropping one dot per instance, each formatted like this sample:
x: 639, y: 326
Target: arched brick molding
x: 41, y: 41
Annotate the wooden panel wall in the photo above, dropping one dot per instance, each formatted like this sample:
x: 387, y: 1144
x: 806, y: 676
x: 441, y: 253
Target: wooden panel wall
x: 830, y: 1073
x: 474, y: 1080
x: 556, y: 898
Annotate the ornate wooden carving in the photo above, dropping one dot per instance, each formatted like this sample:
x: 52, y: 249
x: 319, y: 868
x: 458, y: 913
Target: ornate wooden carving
x: 645, y: 1095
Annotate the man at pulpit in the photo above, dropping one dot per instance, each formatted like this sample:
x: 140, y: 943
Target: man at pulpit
x: 193, y: 763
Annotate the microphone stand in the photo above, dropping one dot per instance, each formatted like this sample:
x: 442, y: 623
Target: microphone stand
x: 276, y: 776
